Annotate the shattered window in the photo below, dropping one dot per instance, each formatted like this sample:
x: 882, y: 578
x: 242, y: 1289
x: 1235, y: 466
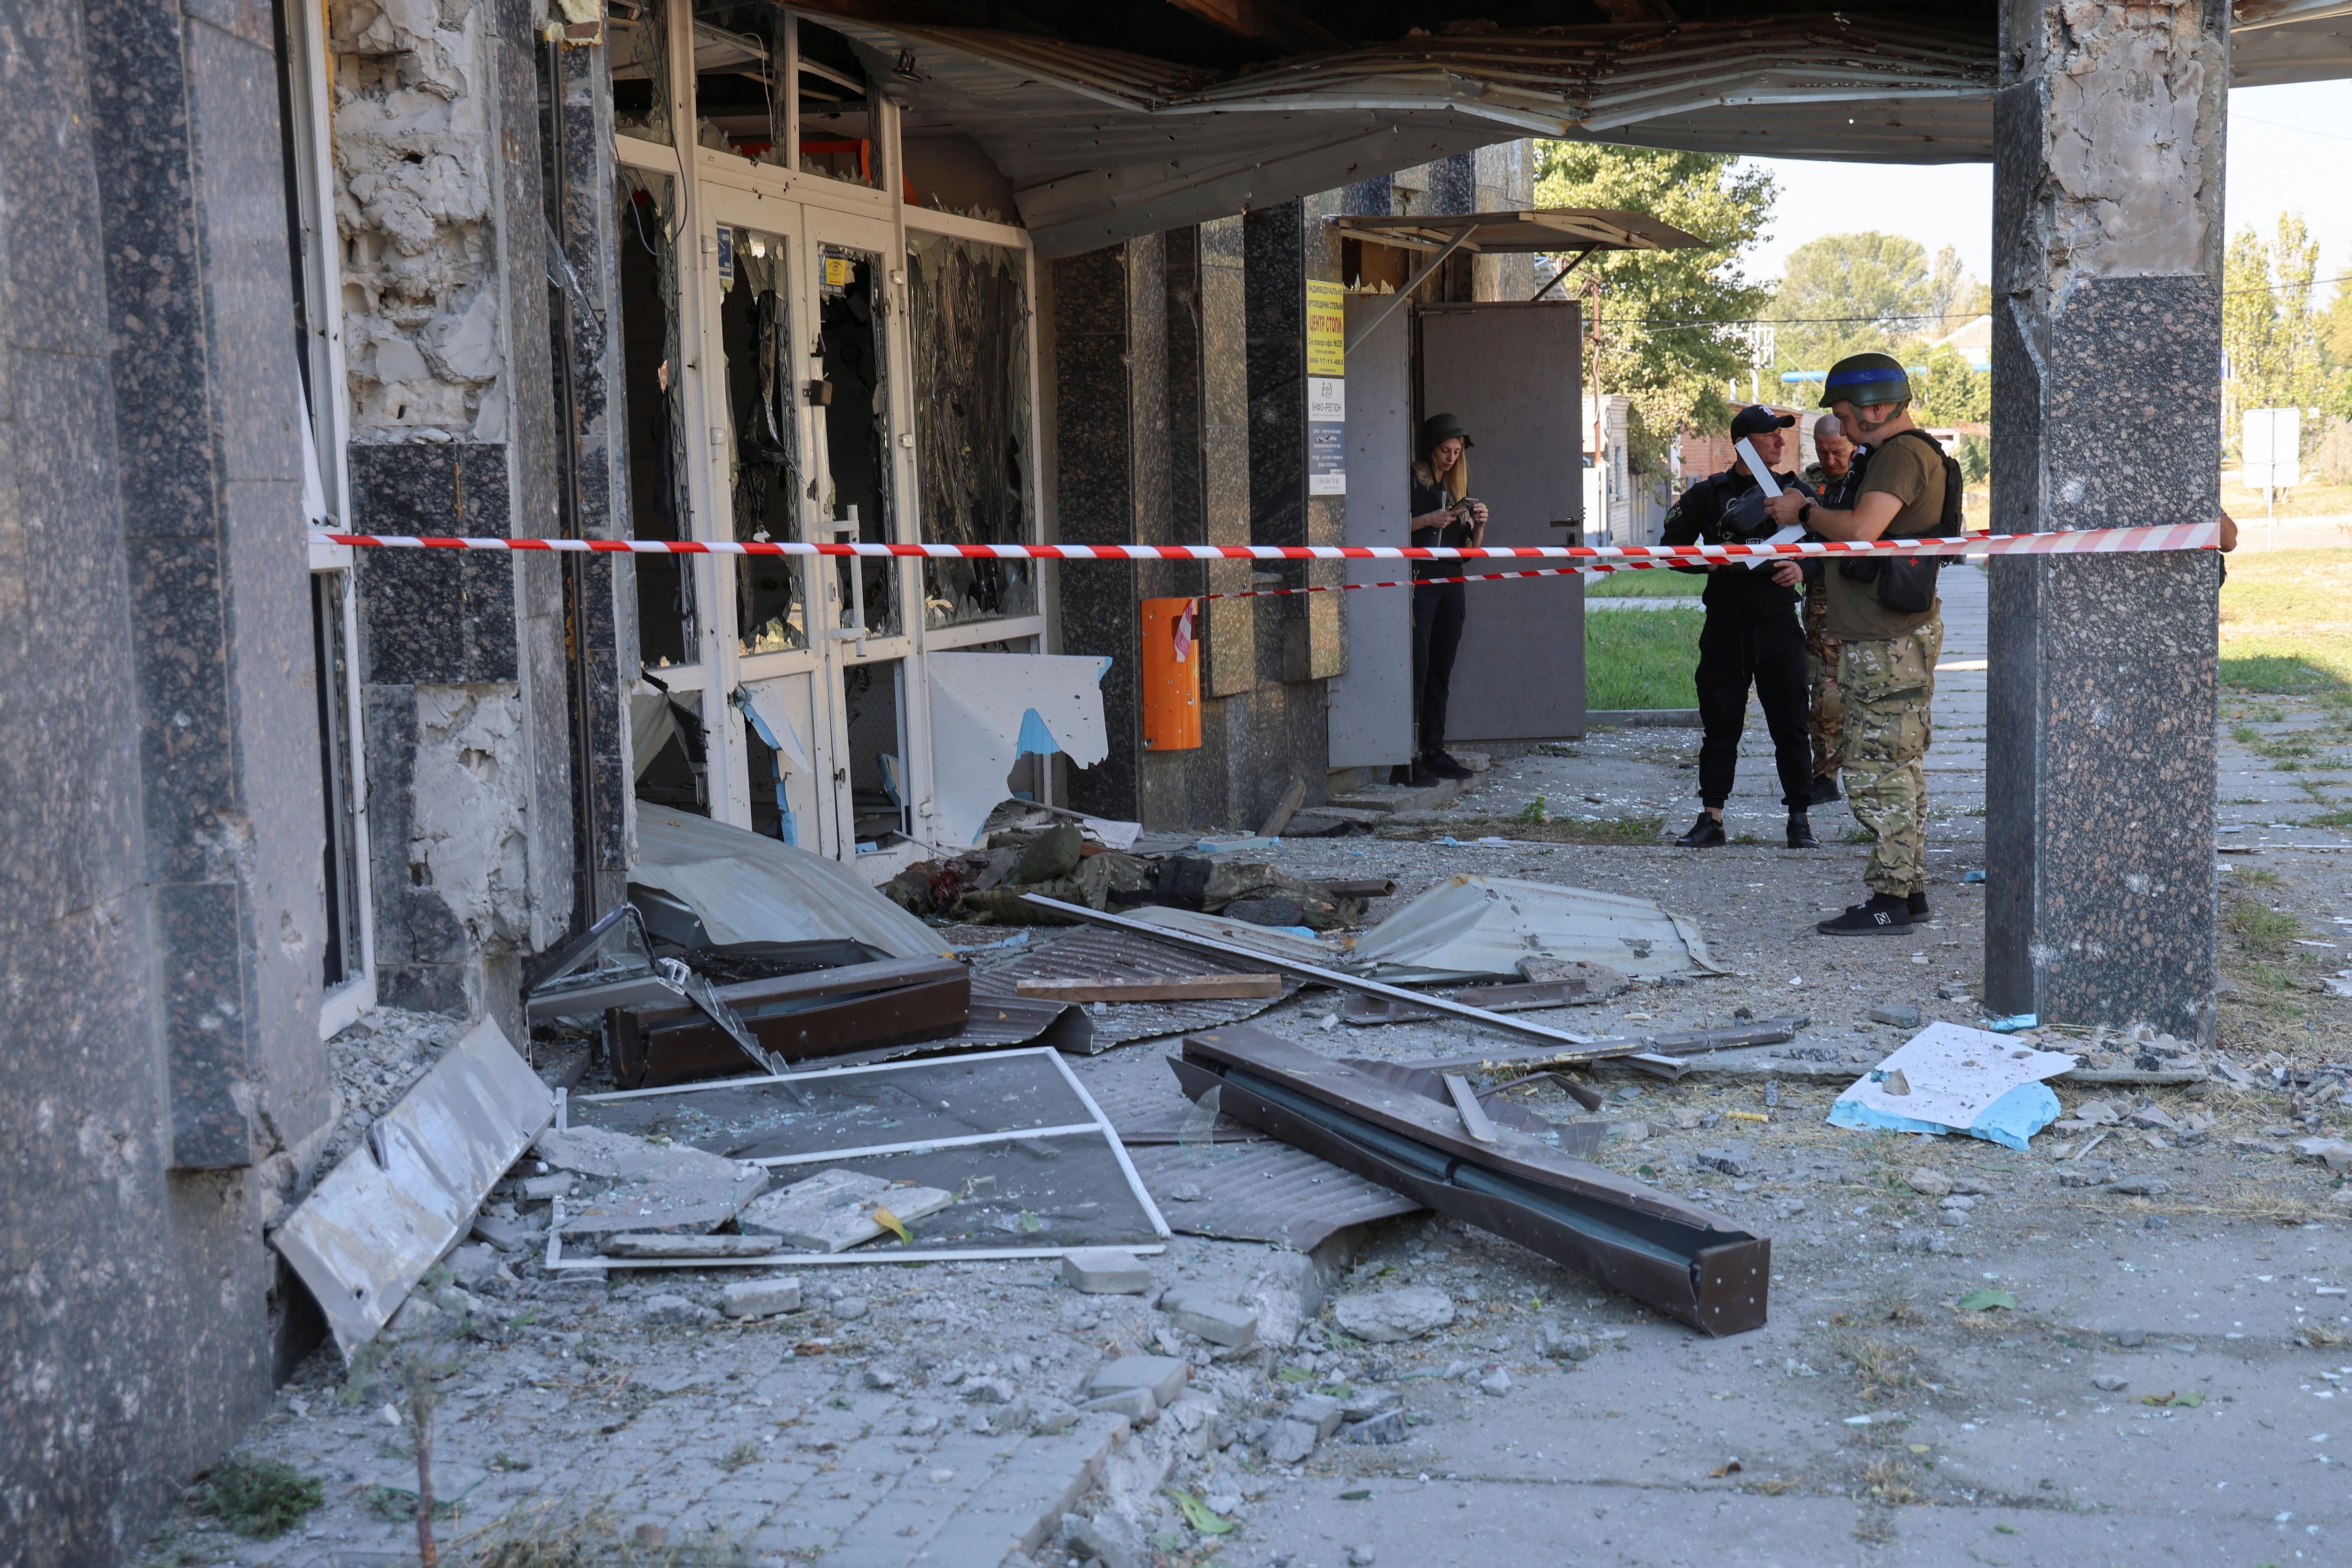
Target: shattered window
x: 638, y: 47
x: 857, y: 425
x: 836, y: 129
x: 971, y: 423
x: 763, y: 475
x: 739, y: 50
x: 650, y: 358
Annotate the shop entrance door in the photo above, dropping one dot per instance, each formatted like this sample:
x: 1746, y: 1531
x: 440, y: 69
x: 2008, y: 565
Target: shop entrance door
x: 1511, y: 370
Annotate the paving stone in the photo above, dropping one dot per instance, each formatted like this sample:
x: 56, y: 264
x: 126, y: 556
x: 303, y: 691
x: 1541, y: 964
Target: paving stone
x: 1320, y: 1411
x: 1219, y: 1323
x: 762, y: 1298
x: 1105, y: 1271
x: 1161, y: 1375
x: 1134, y: 1403
x: 1388, y: 1426
x: 1901, y: 1015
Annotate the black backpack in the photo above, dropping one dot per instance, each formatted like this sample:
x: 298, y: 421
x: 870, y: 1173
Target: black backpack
x: 1907, y: 584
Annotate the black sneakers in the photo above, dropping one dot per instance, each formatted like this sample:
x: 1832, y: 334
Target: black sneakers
x: 1917, y: 904
x: 1442, y: 764
x: 1887, y: 914
x: 1705, y: 833
x: 1801, y: 832
x: 1825, y: 790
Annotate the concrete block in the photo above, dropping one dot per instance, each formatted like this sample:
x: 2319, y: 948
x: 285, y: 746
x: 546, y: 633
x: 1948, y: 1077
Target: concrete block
x: 509, y: 1234
x: 762, y: 1298
x: 1219, y: 1323
x: 1136, y: 1403
x: 1162, y: 1375
x: 1386, y: 1427
x: 1105, y: 1271
x: 1384, y: 1317
x: 1289, y: 1442
x: 1320, y: 1411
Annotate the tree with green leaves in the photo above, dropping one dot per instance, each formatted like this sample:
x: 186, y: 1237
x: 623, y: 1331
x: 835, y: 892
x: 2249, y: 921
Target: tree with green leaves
x: 1653, y: 333
x: 1951, y: 391
x: 2336, y: 350
x: 2271, y: 326
x: 1855, y: 293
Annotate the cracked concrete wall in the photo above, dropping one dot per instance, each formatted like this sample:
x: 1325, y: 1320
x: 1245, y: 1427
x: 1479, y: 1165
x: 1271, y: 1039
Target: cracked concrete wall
x: 468, y: 836
x: 413, y: 122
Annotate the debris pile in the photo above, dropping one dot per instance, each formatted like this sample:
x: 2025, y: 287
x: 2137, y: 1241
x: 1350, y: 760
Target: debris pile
x: 1070, y: 861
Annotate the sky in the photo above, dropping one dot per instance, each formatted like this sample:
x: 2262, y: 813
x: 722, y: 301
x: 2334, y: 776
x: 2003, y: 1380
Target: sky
x: 2288, y: 149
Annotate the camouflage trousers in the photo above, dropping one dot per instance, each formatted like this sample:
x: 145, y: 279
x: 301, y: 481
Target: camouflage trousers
x: 1887, y: 685
x: 1828, y: 712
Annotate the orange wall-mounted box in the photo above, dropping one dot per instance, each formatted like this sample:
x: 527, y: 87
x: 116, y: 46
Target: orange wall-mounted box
x: 1172, y: 676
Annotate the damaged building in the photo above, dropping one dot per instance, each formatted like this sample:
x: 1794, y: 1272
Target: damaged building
x: 1181, y: 272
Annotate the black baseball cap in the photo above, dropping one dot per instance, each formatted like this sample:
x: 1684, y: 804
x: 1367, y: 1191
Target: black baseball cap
x: 1755, y: 419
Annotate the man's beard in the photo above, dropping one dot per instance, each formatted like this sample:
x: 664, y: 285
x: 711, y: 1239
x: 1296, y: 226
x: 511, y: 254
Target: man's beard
x: 1869, y: 427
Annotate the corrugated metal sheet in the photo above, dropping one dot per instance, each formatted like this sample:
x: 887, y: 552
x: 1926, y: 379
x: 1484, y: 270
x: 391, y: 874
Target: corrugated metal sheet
x: 1102, y: 146
x: 1261, y: 1191
x: 745, y: 887
x: 1470, y: 927
x: 1092, y: 953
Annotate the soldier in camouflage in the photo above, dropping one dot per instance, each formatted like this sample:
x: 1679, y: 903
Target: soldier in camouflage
x: 1886, y: 663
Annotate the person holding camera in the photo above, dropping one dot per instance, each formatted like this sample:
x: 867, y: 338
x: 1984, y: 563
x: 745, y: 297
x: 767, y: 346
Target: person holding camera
x: 1886, y: 617
x: 1443, y: 513
x: 1751, y: 638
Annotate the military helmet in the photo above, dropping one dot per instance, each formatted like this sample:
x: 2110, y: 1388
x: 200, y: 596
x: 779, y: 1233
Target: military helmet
x: 1866, y: 379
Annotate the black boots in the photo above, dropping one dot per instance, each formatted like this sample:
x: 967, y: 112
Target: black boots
x: 1706, y: 833
x: 1442, y: 764
x: 1801, y: 832
x: 1917, y: 904
x: 1825, y: 790
x: 1887, y: 914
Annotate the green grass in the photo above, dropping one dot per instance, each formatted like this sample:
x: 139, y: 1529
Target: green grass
x: 263, y: 1498
x: 2286, y: 625
x: 1643, y: 659
x: 1651, y: 584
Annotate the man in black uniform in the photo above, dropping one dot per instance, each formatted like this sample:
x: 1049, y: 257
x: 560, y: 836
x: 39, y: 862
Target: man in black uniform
x: 1752, y: 635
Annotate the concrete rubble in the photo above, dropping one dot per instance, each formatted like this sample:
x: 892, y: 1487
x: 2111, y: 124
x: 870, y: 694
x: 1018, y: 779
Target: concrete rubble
x: 1058, y: 1407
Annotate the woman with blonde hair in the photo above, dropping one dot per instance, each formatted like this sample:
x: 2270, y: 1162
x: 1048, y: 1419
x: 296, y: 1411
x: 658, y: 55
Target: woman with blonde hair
x: 1443, y: 513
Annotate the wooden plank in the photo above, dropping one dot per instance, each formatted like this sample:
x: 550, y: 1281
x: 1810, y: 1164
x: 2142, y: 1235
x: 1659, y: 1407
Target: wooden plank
x: 1179, y: 988
x: 1292, y: 798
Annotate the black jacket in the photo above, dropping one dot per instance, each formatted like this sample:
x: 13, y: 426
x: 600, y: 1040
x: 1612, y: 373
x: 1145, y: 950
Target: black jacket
x: 1733, y: 589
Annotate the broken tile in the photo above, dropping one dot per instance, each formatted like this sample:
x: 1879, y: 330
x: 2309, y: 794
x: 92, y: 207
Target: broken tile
x: 834, y: 1210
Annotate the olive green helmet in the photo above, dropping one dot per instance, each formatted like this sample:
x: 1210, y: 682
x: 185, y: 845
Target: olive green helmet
x: 1865, y: 379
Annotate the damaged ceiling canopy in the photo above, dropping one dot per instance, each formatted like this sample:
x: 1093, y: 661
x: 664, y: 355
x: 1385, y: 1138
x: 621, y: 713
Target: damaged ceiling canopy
x: 990, y: 709
x: 1148, y: 117
x: 1475, y: 928
x: 745, y: 887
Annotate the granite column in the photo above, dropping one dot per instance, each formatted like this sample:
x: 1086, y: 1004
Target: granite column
x: 2108, y: 128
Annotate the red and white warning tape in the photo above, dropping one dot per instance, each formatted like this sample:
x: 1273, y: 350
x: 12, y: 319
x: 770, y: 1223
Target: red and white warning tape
x: 2182, y: 536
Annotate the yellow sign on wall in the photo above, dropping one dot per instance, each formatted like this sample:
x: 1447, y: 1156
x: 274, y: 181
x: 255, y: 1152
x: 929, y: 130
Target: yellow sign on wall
x: 1327, y: 329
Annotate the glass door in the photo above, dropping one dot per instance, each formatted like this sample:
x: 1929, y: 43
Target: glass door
x: 854, y: 360
x: 773, y: 706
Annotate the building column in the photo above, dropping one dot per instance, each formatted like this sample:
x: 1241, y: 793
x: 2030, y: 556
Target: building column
x: 2108, y: 129
x: 1110, y: 391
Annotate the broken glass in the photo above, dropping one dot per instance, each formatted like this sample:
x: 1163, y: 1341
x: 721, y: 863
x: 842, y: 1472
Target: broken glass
x: 971, y: 423
x: 656, y: 433
x: 836, y: 128
x: 738, y: 51
x: 637, y: 44
x: 764, y: 474
x: 855, y: 359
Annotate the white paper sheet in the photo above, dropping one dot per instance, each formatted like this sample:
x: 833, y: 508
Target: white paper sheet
x: 1954, y: 1073
x: 978, y: 704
